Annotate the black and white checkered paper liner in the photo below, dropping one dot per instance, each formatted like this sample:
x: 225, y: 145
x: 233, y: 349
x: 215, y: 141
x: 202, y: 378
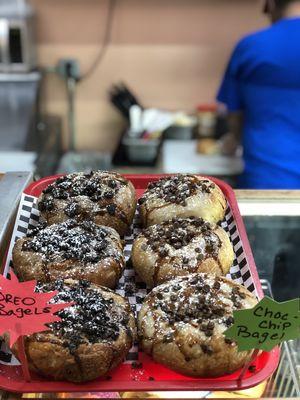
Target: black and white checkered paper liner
x: 130, y: 285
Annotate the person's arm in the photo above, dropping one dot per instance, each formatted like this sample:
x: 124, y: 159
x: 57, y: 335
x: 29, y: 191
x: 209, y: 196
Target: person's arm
x: 231, y: 141
x: 230, y: 95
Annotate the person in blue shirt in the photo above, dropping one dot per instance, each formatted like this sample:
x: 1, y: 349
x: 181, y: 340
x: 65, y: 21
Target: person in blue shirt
x: 261, y: 89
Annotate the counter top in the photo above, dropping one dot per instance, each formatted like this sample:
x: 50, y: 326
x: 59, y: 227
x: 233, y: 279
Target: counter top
x: 180, y: 156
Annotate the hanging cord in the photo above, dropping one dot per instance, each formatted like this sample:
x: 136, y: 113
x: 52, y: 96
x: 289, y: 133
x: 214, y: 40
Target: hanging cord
x: 106, y: 41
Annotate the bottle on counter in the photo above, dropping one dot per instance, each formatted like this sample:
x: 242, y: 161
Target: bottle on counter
x: 207, y: 120
x: 206, y: 130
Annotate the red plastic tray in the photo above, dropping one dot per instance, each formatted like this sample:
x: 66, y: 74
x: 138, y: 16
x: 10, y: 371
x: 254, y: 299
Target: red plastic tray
x: 124, y: 378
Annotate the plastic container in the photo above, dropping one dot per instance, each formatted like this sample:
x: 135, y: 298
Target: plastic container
x: 141, y: 150
x: 152, y: 376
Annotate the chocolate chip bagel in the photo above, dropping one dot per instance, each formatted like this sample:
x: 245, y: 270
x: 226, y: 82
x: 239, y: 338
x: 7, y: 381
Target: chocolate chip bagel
x: 181, y: 324
x: 182, y: 196
x: 180, y: 247
x: 106, y: 198
x: 77, y: 250
x: 93, y: 337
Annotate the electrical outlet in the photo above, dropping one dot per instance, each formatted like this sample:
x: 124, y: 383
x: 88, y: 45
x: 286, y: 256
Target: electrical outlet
x: 68, y: 68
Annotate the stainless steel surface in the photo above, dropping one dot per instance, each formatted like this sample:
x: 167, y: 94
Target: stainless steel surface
x: 17, y: 43
x: 12, y: 185
x: 18, y: 94
x: 20, y: 77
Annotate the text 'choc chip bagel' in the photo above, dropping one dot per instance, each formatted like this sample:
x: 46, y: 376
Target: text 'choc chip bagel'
x: 77, y: 250
x: 182, y: 196
x: 180, y: 247
x: 106, y: 198
x: 93, y: 337
x: 181, y: 324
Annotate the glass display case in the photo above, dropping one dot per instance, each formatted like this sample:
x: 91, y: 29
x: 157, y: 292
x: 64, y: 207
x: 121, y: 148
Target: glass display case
x: 272, y: 220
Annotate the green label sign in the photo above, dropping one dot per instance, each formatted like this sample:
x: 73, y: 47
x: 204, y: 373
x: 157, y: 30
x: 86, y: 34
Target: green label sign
x: 266, y: 325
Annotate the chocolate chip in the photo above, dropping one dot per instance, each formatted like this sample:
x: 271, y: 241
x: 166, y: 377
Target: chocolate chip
x: 185, y: 260
x: 219, y: 312
x: 141, y: 200
x: 233, y: 298
x: 95, y: 198
x: 209, y: 248
x: 71, y: 223
x: 93, y: 258
x: 229, y: 321
x: 88, y: 226
x: 84, y: 283
x: 111, y: 209
x: 72, y: 347
x: 101, y: 245
x: 207, y: 349
x: 217, y: 285
x: 206, y: 288
x: 46, y: 204
x: 198, y: 222
x: 32, y: 232
x: 144, y: 247
x: 25, y: 247
x: 210, y: 325
x: 61, y: 179
x: 159, y: 296
x: 109, y: 195
x: 47, y: 190
x: 72, y: 209
x: 151, y: 185
x: 203, y: 327
x: 163, y: 252
x: 177, y: 245
x: 112, y: 183
x: 168, y: 338
x: 194, y: 280
x: 90, y: 188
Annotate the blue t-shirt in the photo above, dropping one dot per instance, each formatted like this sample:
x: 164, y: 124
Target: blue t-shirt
x: 263, y: 80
